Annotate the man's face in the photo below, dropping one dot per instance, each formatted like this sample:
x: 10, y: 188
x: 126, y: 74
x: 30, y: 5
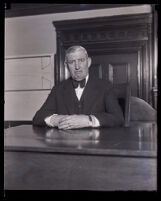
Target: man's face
x: 78, y: 64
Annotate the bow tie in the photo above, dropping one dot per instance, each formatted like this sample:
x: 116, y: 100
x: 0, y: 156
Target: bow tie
x: 81, y: 83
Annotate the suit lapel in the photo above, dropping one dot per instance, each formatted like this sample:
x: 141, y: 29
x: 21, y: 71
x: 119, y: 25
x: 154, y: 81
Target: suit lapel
x: 69, y: 97
x: 89, y: 95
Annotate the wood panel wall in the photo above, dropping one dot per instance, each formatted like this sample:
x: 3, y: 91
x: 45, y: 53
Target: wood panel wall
x: 112, y: 35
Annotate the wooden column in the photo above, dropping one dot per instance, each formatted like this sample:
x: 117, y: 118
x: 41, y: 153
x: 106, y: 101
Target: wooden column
x: 155, y: 57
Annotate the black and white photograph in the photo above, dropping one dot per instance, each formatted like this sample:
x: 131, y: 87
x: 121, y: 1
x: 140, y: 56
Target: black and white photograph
x: 80, y: 97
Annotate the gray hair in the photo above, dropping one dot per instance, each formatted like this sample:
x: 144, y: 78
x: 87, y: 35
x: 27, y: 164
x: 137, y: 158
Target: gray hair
x: 73, y: 49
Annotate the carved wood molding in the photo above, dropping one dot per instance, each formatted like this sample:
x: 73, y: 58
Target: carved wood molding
x: 104, y: 35
x: 104, y: 22
x: 107, y: 29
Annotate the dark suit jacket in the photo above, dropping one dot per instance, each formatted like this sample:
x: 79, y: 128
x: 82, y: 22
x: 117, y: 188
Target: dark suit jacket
x: 98, y: 101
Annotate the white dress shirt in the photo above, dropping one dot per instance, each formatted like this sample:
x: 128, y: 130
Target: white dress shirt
x: 79, y: 92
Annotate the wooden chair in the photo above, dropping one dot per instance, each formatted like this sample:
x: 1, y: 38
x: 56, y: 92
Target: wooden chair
x: 119, y: 76
x: 123, y: 93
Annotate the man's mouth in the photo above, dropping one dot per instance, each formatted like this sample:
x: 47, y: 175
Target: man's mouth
x: 78, y: 72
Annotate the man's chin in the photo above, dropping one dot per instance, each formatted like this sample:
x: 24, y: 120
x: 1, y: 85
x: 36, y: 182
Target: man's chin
x: 78, y: 78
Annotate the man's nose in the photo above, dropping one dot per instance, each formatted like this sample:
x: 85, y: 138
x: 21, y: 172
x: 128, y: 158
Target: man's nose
x: 77, y: 65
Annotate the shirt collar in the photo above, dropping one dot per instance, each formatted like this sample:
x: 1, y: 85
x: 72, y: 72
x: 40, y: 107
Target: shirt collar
x: 87, y: 77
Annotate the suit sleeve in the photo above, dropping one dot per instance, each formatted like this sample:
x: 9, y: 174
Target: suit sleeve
x: 113, y: 115
x: 47, y: 109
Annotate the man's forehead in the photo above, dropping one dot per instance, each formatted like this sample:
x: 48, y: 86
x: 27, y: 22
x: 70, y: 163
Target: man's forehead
x: 76, y: 54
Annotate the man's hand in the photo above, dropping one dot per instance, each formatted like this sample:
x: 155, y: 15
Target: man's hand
x: 73, y: 121
x: 54, y: 120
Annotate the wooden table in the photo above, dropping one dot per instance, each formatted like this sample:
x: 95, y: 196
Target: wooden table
x: 84, y: 159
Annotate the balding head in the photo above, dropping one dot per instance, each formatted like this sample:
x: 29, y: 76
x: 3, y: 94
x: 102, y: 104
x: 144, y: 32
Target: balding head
x: 73, y: 49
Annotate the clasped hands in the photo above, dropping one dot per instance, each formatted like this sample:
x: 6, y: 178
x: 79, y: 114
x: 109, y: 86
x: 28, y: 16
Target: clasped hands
x: 66, y: 122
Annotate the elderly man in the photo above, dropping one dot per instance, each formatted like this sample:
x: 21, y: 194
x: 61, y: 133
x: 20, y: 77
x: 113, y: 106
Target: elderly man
x: 80, y: 101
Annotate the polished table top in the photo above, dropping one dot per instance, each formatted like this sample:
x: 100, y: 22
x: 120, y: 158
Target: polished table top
x: 138, y: 140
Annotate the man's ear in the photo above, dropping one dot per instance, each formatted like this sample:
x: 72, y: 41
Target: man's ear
x: 67, y: 72
x: 89, y: 61
x: 66, y: 65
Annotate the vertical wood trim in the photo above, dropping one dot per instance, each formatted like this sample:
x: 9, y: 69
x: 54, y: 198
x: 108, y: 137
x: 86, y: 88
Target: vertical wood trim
x: 56, y: 75
x: 57, y: 60
x: 155, y: 57
x: 110, y: 73
x: 53, y: 66
x: 61, y: 57
x: 146, y: 67
x: 144, y: 71
x: 62, y: 68
x: 60, y: 71
x: 128, y: 73
x: 127, y: 106
x: 100, y: 72
x: 139, y: 75
x: 155, y: 48
x: 150, y: 55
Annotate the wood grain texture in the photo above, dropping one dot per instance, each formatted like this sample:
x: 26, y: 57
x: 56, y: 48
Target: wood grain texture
x: 42, y: 171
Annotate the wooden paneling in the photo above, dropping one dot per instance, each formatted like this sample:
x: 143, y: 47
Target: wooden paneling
x: 115, y: 35
x: 124, y: 68
x: 46, y: 171
x: 119, y: 73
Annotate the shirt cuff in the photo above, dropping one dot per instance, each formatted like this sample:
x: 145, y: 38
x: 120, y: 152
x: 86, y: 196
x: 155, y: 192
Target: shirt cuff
x: 48, y: 121
x: 95, y: 121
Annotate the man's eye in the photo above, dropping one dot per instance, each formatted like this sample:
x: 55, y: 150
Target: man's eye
x: 82, y: 60
x: 70, y: 62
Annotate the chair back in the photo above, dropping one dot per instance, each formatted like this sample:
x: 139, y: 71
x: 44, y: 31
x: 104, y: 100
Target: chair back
x: 123, y: 93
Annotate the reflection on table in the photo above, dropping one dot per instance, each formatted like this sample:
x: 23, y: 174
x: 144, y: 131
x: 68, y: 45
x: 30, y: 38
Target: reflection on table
x: 137, y: 140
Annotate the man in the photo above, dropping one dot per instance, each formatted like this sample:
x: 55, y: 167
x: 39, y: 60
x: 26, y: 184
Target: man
x: 74, y: 104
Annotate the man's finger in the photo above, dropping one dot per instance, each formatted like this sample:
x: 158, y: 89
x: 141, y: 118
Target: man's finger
x: 64, y: 125
x: 64, y: 119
